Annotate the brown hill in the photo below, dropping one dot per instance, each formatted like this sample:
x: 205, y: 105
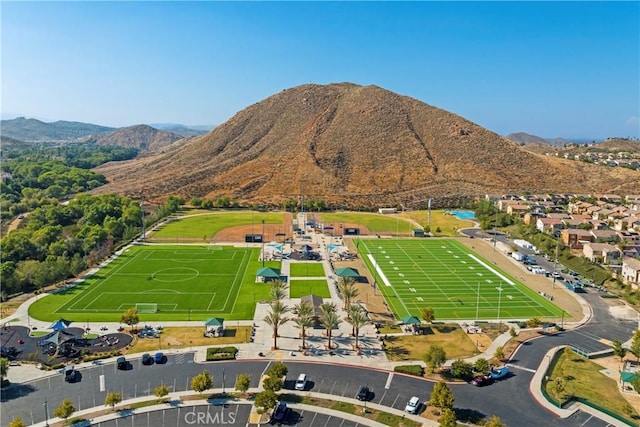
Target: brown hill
x: 352, y: 144
x: 142, y: 137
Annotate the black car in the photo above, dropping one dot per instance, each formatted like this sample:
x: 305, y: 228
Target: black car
x: 147, y: 359
x: 363, y: 393
x: 280, y: 412
x: 122, y: 363
x: 482, y: 380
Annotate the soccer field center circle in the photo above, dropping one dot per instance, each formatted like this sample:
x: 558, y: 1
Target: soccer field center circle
x: 177, y: 274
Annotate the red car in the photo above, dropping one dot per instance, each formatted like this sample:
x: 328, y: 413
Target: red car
x: 482, y: 380
x: 20, y: 341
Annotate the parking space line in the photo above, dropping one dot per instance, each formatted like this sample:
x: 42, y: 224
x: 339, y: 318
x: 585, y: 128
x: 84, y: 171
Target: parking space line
x: 393, y: 405
x: 328, y: 419
x: 300, y: 417
x: 389, y: 378
x: 345, y: 389
x: 382, y: 398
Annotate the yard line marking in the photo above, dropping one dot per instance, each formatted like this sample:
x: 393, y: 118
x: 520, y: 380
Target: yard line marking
x: 491, y: 269
x: 388, y: 383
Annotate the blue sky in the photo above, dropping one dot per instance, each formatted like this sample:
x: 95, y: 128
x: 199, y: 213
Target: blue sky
x: 547, y: 68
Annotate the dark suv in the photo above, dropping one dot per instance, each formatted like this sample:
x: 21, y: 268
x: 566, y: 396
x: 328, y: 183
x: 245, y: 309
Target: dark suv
x: 363, y: 393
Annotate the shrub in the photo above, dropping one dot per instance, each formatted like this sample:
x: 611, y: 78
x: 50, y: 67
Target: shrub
x: 221, y: 353
x: 410, y: 369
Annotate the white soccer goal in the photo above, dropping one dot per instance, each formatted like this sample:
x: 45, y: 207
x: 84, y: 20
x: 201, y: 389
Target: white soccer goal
x: 146, y: 308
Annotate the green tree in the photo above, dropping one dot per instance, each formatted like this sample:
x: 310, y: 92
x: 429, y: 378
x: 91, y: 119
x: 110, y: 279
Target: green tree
x: 278, y: 370
x: 303, y: 319
x: 448, y: 418
x: 348, y: 290
x: 618, y: 350
x: 243, y: 382
x: 17, y: 422
x: 329, y: 319
x: 272, y: 383
x: 4, y: 368
x: 494, y: 421
x: 442, y: 396
x: 65, y: 409
x: 499, y: 353
x: 461, y: 369
x: 435, y: 357
x: 130, y: 317
x: 277, y: 290
x: 428, y: 314
x: 635, y: 345
x: 265, y: 400
x: 357, y: 318
x: 481, y: 365
x: 201, y: 382
x: 276, y: 318
x: 161, y: 391
x: 112, y: 399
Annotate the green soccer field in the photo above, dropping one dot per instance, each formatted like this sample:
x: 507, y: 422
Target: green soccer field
x: 165, y: 283
x: 443, y: 274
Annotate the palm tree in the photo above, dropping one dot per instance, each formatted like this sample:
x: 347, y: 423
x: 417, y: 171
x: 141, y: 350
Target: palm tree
x: 329, y: 319
x: 304, y: 319
x: 278, y: 290
x: 357, y: 318
x: 348, y: 290
x: 275, y: 318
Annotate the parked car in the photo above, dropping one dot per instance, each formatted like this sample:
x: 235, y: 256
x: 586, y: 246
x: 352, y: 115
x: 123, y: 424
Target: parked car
x: 121, y: 363
x: 301, y: 382
x: 482, y: 380
x: 159, y: 357
x: 500, y: 372
x: 363, y: 393
x: 280, y: 412
x: 70, y: 374
x: 147, y: 359
x: 412, y: 405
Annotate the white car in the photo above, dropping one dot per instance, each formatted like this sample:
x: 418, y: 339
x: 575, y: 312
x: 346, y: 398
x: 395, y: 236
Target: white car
x: 412, y: 405
x: 301, y: 382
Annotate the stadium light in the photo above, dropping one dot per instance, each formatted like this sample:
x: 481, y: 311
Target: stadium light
x: 263, y: 243
x: 499, y: 289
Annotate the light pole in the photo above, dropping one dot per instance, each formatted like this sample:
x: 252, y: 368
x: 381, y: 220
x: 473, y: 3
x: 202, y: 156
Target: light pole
x: 555, y: 262
x: 263, y: 243
x: 499, y: 300
x: 46, y: 414
x: 477, y: 301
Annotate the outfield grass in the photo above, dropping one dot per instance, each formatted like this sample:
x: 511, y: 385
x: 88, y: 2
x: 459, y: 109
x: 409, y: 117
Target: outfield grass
x: 306, y: 269
x: 300, y: 288
x: 447, y: 224
x: 455, y: 282
x: 375, y: 223
x: 186, y: 282
x: 206, y: 226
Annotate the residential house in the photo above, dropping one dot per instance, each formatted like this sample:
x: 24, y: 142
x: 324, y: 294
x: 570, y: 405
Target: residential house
x: 532, y: 217
x: 605, y: 236
x: 629, y: 236
x: 580, y: 207
x: 601, y: 252
x: 631, y: 272
x: 549, y: 225
x: 575, y: 239
x: 572, y: 223
x: 631, y: 251
x: 517, y: 210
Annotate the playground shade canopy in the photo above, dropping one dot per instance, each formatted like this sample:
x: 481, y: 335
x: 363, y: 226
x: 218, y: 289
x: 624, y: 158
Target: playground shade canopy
x: 269, y: 273
x: 60, y: 324
x: 347, y: 272
x: 411, y: 320
x: 214, y: 321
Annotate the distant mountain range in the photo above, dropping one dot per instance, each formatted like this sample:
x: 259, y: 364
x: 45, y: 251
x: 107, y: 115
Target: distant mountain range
x: 526, y: 138
x: 24, y: 131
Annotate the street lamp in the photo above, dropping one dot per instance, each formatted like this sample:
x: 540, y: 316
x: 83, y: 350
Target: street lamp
x: 499, y: 288
x: 46, y: 414
x: 263, y: 243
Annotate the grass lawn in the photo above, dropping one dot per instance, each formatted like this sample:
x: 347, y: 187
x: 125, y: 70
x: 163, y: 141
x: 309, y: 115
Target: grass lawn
x: 583, y: 379
x: 455, y: 342
x: 300, y: 288
x: 185, y: 282
x: 443, y: 274
x: 206, y: 226
x: 447, y: 224
x: 375, y: 223
x: 307, y: 269
x: 181, y: 337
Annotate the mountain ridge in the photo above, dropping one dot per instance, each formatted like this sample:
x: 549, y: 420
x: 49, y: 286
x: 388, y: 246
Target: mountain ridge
x: 348, y: 143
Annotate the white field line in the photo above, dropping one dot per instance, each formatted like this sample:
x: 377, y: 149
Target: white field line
x: 380, y: 273
x: 488, y: 267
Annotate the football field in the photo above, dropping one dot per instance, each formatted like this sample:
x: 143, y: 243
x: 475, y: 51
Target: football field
x: 443, y: 274
x: 167, y: 282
